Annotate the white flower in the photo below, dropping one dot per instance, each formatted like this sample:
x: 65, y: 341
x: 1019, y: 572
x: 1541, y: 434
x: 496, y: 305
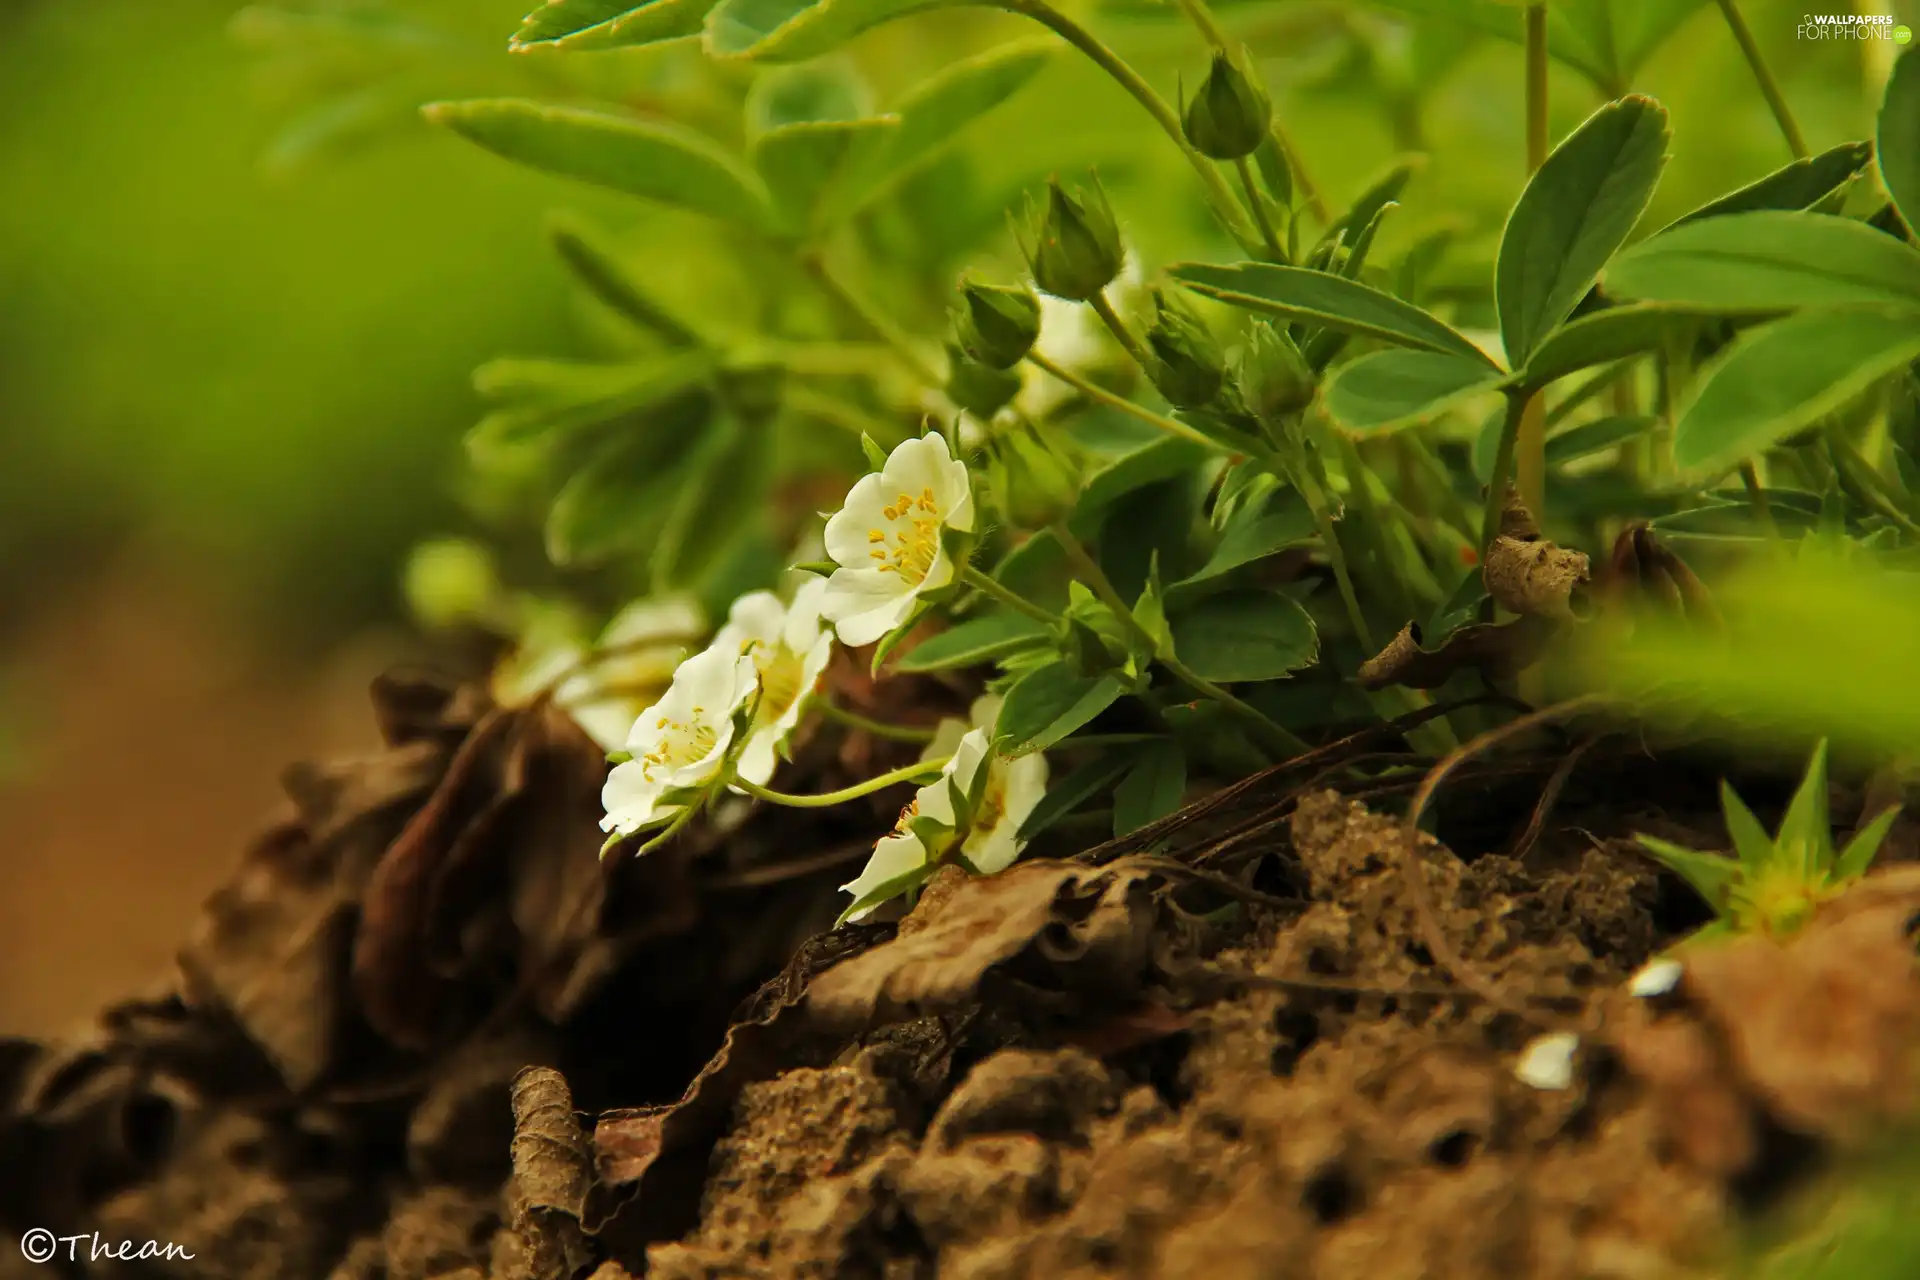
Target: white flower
x: 1655, y: 978
x: 1547, y: 1061
x: 643, y: 647
x: 681, y: 740
x: 789, y: 647
x: 989, y: 842
x: 888, y: 539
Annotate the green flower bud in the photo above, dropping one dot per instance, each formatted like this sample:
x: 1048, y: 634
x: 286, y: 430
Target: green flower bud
x: 450, y: 582
x: 996, y: 326
x: 1273, y: 378
x: 1076, y: 249
x: 1228, y: 118
x: 1188, y: 366
x: 980, y: 390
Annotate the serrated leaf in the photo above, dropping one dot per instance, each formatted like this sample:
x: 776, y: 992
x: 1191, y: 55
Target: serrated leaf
x: 651, y: 159
x: 1048, y: 703
x: 1329, y: 300
x: 541, y: 401
x: 938, y: 108
x: 1388, y: 389
x: 609, y: 24
x: 1784, y: 376
x: 1155, y: 783
x: 795, y: 30
x: 1257, y: 530
x: 618, y: 501
x: 1711, y: 875
x: 1603, y: 337
x: 1161, y: 459
x: 1770, y: 260
x: 1577, y: 210
x: 1898, y: 138
x: 815, y: 169
x: 975, y: 641
x: 1245, y: 635
x: 1800, y: 185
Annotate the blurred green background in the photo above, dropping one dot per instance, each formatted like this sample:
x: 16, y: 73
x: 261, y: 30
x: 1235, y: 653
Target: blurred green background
x: 243, y: 288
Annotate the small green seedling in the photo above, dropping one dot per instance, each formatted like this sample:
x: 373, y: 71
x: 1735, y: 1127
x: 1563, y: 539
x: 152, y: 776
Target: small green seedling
x: 1771, y: 885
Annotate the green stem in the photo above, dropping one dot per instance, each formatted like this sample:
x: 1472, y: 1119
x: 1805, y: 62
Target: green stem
x: 1502, y: 471
x: 1219, y: 194
x: 827, y: 799
x: 870, y: 317
x: 1536, y: 86
x: 1763, y: 76
x: 1762, y: 512
x: 854, y: 720
x: 1258, y: 203
x: 1103, y: 307
x: 1096, y: 580
x: 1302, y: 180
x: 1530, y: 460
x: 1100, y: 395
x: 1012, y: 599
x: 1321, y: 507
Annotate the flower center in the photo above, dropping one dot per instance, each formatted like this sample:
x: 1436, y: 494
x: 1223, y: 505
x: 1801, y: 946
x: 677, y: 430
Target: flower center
x: 681, y: 743
x: 911, y: 538
x: 781, y: 672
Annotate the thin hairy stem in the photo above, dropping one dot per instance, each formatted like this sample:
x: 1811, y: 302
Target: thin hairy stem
x: 1763, y: 76
x: 827, y: 799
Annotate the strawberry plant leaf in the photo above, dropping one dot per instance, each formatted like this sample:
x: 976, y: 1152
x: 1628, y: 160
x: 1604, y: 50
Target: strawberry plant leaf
x: 1389, y: 389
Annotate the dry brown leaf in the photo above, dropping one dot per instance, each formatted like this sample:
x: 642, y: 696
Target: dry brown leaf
x: 552, y: 1173
x: 1527, y: 574
x: 1497, y: 649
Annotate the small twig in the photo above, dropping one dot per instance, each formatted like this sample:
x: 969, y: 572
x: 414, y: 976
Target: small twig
x: 1550, y: 796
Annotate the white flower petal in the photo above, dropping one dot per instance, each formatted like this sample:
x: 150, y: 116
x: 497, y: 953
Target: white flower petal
x: 893, y: 857
x: 1547, y: 1061
x: 629, y: 798
x: 804, y: 623
x: 848, y: 528
x: 946, y: 739
x: 1655, y: 978
x: 670, y: 619
x: 759, y: 758
x: 755, y: 618
x: 865, y: 604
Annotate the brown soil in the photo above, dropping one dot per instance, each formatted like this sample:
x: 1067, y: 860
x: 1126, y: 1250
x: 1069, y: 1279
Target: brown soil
x: 423, y: 1033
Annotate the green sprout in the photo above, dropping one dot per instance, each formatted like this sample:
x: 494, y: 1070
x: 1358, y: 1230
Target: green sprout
x: 1772, y: 885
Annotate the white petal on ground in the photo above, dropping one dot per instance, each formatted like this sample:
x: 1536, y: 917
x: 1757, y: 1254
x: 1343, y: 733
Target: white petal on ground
x: 1656, y: 978
x: 1547, y: 1061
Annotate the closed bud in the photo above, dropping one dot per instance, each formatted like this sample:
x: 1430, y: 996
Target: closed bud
x: 1188, y: 367
x: 1076, y: 249
x: 1273, y: 378
x: 1229, y: 116
x: 996, y: 326
x: 980, y: 390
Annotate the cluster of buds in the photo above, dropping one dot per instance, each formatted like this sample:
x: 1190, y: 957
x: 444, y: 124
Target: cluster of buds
x: 1274, y: 380
x: 1188, y: 366
x: 1072, y: 243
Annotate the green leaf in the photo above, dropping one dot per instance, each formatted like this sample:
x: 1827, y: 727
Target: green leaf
x: 888, y: 890
x: 1319, y: 298
x: 598, y: 266
x: 651, y: 159
x: 1164, y: 458
x: 1254, y: 532
x: 796, y: 30
x: 1575, y: 213
x: 1380, y: 193
x: 1804, y: 844
x: 1800, y: 185
x: 1153, y: 788
x: 815, y: 169
x: 1770, y: 260
x: 1597, y: 436
x: 1389, y: 389
x: 1711, y: 875
x: 1245, y: 635
x: 543, y: 400
x: 1079, y: 786
x: 609, y: 24
x: 1853, y: 861
x: 1783, y: 376
x: 973, y: 642
x: 723, y: 500
x: 1605, y: 40
x: 938, y: 108
x: 1898, y: 138
x: 1603, y: 337
x: 1752, y: 846
x: 1048, y: 703
x: 619, y: 500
